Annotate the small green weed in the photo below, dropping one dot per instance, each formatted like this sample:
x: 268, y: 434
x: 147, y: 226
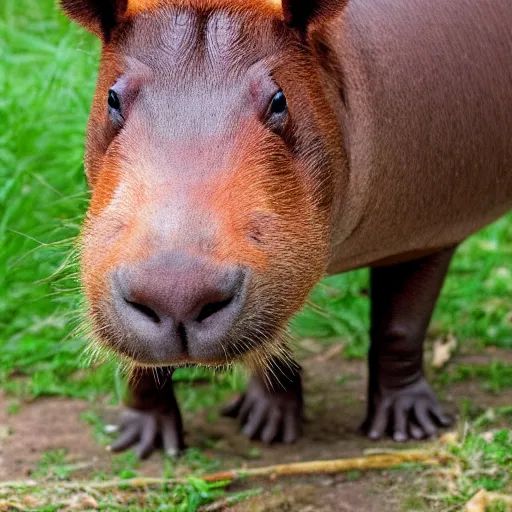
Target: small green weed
x: 495, y: 377
x: 53, y: 464
x: 482, y: 460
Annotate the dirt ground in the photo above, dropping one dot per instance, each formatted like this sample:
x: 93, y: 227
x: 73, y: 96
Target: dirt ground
x: 335, y: 404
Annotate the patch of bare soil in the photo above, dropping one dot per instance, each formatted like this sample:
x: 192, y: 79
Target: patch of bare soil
x: 335, y: 404
x: 373, y: 493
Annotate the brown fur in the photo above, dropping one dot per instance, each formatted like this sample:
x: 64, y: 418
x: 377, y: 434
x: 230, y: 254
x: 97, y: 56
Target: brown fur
x: 246, y: 196
x: 426, y: 123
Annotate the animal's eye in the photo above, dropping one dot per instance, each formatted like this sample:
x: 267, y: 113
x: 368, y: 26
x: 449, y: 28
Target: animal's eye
x: 279, y: 104
x: 113, y: 100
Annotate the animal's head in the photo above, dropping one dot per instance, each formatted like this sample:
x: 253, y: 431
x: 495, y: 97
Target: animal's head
x: 212, y: 156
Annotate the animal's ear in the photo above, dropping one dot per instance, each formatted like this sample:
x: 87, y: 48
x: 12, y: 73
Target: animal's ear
x: 300, y: 13
x: 97, y: 16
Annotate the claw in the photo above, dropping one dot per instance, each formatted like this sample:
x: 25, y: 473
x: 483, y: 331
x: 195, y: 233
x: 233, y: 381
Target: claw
x: 424, y: 420
x: 232, y: 409
x: 416, y: 432
x: 271, y: 430
x: 129, y: 436
x: 111, y: 429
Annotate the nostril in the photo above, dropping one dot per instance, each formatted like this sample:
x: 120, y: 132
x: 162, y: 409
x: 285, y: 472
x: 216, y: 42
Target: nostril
x: 213, y: 307
x: 145, y: 310
x: 182, y: 334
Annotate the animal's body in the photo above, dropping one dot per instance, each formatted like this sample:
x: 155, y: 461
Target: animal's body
x: 427, y: 124
x: 248, y: 149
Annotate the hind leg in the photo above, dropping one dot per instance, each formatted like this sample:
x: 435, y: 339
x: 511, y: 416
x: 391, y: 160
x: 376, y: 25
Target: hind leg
x: 400, y: 400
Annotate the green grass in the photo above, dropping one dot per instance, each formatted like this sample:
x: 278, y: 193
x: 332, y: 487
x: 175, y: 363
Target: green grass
x: 482, y: 459
x: 495, y: 377
x: 487, y: 462
x: 47, y: 78
x: 54, y: 473
x: 48, y: 73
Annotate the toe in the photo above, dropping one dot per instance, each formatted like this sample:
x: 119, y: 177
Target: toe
x: 400, y: 414
x: 172, y: 436
x: 415, y: 431
x: 128, y: 437
x: 379, y: 422
x: 245, y: 409
x: 271, y: 429
x: 424, y: 420
x: 146, y: 444
x: 254, y: 420
x: 232, y: 409
x: 443, y: 419
x: 292, y: 427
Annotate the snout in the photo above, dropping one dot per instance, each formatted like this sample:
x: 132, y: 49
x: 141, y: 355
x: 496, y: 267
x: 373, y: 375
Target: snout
x: 177, y: 308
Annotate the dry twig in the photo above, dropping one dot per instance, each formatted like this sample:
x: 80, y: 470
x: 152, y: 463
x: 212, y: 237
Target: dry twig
x: 372, y: 462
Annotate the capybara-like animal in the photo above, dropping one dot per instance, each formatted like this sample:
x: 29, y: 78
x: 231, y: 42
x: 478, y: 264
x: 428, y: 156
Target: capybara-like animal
x: 239, y: 150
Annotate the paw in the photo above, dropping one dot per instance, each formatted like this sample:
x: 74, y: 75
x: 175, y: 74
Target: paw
x: 147, y: 431
x: 269, y: 415
x: 410, y: 412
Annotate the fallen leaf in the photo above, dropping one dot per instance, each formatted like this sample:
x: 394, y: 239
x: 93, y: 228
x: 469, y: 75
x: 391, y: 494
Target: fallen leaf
x: 443, y: 350
x: 488, y: 436
x: 477, y: 503
x: 5, y: 431
x: 82, y: 502
x: 89, y: 502
x: 32, y: 502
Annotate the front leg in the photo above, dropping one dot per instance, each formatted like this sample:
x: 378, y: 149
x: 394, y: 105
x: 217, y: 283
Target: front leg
x: 400, y: 400
x: 152, y: 417
x: 272, y: 407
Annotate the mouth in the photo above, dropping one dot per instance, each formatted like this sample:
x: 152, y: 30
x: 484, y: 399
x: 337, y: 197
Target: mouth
x: 163, y: 349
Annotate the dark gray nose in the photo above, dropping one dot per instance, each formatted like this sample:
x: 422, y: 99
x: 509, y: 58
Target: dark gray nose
x: 175, y: 306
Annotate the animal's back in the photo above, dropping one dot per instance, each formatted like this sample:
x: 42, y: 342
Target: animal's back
x: 428, y: 123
